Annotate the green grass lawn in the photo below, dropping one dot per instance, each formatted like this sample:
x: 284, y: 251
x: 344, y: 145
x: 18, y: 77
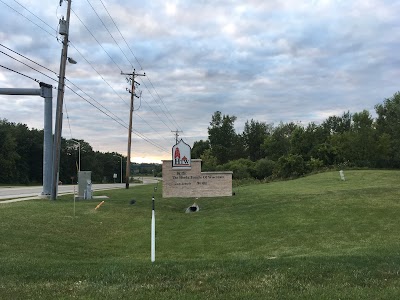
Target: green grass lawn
x: 312, y: 238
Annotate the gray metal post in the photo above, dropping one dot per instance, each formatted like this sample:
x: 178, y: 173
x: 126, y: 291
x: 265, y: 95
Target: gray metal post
x: 18, y: 91
x: 46, y: 93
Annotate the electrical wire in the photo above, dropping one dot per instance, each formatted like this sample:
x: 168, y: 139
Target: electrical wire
x: 164, y: 104
x: 156, y: 102
x: 20, y: 73
x: 28, y: 19
x: 160, y: 99
x: 75, y: 49
x: 94, y: 100
x: 122, y: 37
x: 28, y: 66
x: 91, y: 65
x: 149, y: 124
x: 101, y: 47
x: 28, y: 59
x: 35, y: 15
x: 66, y: 111
x: 107, y: 29
x: 123, y: 125
x: 96, y: 40
x: 53, y: 78
x: 114, y: 117
x: 94, y: 69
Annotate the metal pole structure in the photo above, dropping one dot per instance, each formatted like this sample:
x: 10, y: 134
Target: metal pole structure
x: 128, y: 159
x: 17, y: 91
x: 79, y: 154
x: 121, y: 169
x: 45, y: 91
x: 59, y: 113
x: 120, y: 156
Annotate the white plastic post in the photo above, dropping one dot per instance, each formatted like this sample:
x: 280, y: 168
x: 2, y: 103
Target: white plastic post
x: 153, y: 234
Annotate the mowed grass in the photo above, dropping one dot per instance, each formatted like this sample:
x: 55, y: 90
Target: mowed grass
x: 312, y: 238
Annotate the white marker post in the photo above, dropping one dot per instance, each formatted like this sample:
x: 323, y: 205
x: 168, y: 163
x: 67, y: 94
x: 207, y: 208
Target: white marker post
x: 341, y: 173
x: 153, y: 233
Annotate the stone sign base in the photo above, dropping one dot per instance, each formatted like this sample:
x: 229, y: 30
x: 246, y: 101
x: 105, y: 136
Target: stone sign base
x: 186, y: 182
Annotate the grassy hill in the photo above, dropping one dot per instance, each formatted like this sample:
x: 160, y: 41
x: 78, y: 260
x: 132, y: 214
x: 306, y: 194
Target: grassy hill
x: 316, y: 237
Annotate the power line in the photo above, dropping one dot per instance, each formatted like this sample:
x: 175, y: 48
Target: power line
x: 96, y: 40
x: 94, y: 100
x: 107, y: 30
x: 156, y: 102
x: 122, y: 36
x: 117, y: 121
x: 116, y: 117
x: 91, y: 65
x: 163, y: 103
x: 28, y: 18
x: 149, y: 125
x: 103, y: 49
x: 35, y: 15
x: 55, y: 79
x: 69, y: 124
x: 173, y: 120
x: 137, y: 133
x: 28, y: 59
x: 28, y: 66
x: 20, y: 73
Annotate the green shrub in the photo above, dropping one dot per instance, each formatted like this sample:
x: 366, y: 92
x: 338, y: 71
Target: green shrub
x: 264, y: 168
x: 241, y: 168
x: 291, y: 165
x: 314, y: 164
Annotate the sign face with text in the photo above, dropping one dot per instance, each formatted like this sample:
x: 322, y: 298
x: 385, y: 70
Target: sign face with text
x: 181, y: 155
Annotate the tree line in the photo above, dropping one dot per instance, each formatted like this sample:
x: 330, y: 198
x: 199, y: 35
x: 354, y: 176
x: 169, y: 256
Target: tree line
x: 261, y: 151
x: 290, y: 150
x: 21, y: 158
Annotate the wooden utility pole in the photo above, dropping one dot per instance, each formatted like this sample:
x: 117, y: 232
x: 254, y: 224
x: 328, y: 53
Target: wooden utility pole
x: 63, y: 30
x: 131, y: 78
x: 176, y: 135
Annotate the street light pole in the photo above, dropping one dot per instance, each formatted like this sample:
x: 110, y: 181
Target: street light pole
x: 121, y: 164
x: 79, y: 155
x: 121, y: 169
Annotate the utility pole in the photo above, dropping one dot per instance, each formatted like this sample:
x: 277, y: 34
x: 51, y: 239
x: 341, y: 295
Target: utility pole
x: 130, y: 79
x: 176, y: 135
x: 64, y: 28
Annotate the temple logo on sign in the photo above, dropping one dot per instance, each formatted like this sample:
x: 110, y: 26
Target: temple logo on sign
x: 181, y: 155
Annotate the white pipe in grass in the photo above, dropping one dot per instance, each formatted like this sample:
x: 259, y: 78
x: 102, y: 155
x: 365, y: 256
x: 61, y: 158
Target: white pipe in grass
x: 153, y: 234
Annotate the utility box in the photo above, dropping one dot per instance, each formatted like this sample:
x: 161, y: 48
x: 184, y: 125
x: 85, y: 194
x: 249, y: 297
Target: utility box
x: 63, y: 28
x: 85, y: 185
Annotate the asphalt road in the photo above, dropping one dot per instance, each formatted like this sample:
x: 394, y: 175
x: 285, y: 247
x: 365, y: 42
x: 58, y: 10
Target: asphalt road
x: 27, y: 193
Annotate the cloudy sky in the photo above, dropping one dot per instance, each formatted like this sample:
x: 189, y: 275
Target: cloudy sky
x: 267, y: 60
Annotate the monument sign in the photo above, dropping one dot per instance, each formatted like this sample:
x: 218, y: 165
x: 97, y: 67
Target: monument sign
x: 182, y: 176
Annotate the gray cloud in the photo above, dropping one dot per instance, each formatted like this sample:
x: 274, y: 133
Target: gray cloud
x: 267, y: 60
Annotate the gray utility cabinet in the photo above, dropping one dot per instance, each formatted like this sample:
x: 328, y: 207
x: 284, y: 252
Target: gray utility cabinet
x: 85, y: 184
